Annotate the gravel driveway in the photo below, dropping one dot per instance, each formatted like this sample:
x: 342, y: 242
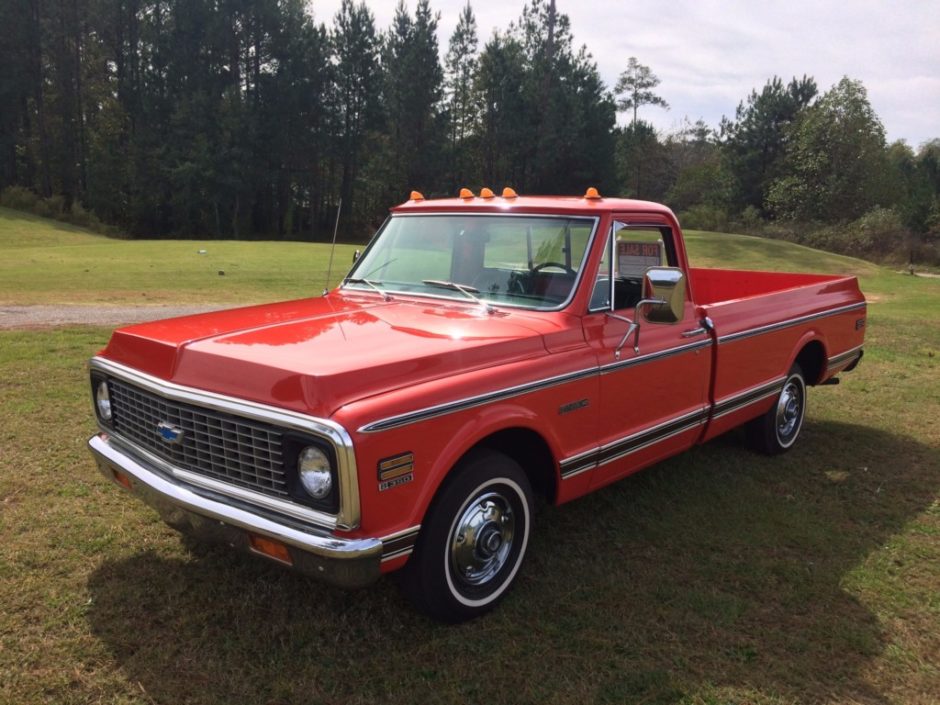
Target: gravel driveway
x: 52, y: 316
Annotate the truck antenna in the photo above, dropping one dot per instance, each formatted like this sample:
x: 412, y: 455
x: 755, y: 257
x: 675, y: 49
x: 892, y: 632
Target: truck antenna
x: 329, y: 269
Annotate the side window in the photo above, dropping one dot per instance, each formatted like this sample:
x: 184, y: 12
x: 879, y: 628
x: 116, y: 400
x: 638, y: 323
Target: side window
x: 635, y: 249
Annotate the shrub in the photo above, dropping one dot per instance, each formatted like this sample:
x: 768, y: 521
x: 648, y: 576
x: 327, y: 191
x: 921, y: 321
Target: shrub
x: 704, y: 217
x: 23, y: 199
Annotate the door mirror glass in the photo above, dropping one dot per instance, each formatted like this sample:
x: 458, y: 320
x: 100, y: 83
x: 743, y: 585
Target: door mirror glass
x: 665, y: 284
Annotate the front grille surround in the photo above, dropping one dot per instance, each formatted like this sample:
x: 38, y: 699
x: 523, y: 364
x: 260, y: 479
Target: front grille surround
x: 252, y: 422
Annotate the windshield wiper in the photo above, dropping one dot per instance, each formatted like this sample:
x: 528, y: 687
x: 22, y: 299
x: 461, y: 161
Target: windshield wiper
x: 465, y: 289
x: 368, y: 282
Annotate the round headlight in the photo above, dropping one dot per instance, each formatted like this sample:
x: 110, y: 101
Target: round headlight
x: 315, y: 475
x: 103, y: 400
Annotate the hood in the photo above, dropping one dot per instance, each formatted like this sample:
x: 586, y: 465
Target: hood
x: 316, y: 355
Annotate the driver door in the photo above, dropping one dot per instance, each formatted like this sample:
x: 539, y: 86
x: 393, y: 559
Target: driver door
x: 652, y: 402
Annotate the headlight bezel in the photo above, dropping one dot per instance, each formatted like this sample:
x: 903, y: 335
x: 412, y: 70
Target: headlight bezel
x: 292, y: 446
x: 96, y: 383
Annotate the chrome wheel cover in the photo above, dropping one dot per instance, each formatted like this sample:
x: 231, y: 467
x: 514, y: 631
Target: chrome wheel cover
x: 790, y: 410
x: 481, y: 539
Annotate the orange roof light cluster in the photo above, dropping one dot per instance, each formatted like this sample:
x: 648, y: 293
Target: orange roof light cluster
x: 592, y: 195
x: 487, y: 193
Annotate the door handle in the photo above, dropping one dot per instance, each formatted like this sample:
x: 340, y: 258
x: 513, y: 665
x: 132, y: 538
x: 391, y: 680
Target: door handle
x: 694, y: 332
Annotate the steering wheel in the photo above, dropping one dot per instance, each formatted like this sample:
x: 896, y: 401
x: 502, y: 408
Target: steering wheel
x: 539, y: 267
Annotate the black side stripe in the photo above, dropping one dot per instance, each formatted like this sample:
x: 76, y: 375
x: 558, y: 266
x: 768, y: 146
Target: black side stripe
x: 787, y: 324
x: 638, y: 441
x: 462, y: 404
x: 631, y: 444
x: 746, y: 398
x: 640, y: 359
x: 844, y: 358
x: 501, y: 394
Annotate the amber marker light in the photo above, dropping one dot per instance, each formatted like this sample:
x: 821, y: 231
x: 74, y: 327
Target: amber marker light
x: 466, y: 193
x: 487, y: 193
x: 592, y: 195
x: 122, y: 479
x: 417, y: 196
x: 270, y: 548
x: 509, y: 193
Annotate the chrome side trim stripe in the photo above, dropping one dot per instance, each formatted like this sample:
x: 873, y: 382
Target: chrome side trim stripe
x: 538, y: 385
x: 589, y: 460
x: 750, y: 396
x: 470, y: 402
x: 631, y: 444
x: 844, y: 358
x: 650, y: 357
x: 399, y: 544
x: 788, y: 323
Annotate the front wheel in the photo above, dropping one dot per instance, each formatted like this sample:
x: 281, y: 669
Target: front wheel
x: 777, y: 430
x: 473, y: 540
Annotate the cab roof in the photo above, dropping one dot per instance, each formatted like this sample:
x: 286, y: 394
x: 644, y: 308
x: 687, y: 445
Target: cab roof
x: 558, y: 205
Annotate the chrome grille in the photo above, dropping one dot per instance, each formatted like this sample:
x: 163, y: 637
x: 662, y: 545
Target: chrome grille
x: 218, y: 445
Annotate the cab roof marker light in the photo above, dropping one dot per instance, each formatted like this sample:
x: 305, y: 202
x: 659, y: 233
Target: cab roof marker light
x: 509, y: 193
x: 487, y: 193
x: 417, y: 196
x: 466, y: 193
x: 592, y: 194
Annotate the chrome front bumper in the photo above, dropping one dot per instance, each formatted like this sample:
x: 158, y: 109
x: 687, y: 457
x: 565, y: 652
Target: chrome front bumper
x: 345, y: 562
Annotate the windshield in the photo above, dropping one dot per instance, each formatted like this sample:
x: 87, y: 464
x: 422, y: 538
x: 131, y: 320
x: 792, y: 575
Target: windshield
x: 529, y: 261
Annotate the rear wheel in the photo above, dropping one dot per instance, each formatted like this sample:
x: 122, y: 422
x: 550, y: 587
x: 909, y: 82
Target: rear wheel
x: 777, y: 430
x: 473, y: 540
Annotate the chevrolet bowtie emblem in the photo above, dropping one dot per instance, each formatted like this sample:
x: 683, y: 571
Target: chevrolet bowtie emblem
x: 170, y: 433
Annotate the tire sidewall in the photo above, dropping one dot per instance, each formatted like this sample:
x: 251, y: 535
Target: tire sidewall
x: 427, y: 578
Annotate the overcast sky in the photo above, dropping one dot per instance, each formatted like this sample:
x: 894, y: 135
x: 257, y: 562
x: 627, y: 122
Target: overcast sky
x: 709, y: 54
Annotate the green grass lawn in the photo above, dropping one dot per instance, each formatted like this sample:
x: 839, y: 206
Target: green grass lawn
x: 717, y: 577
x: 46, y: 262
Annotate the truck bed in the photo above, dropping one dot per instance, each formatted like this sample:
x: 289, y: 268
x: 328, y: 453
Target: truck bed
x: 760, y: 318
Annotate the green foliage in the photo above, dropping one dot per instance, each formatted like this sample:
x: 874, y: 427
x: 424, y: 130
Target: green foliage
x: 252, y: 119
x: 636, y: 85
x: 756, y: 141
x: 705, y: 217
x: 462, y: 98
x: 835, y: 162
x: 53, y: 207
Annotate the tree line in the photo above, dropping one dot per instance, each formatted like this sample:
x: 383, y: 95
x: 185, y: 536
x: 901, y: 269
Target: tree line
x: 253, y: 118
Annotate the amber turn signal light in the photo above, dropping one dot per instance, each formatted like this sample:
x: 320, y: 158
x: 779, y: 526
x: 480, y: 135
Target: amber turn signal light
x: 122, y: 479
x: 270, y: 548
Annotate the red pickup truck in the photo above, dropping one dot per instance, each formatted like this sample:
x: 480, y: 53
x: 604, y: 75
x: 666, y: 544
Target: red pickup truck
x: 483, y: 352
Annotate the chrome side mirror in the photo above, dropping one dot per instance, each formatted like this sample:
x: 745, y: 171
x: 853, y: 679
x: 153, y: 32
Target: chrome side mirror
x: 664, y: 295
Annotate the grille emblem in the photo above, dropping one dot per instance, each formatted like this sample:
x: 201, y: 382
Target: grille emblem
x: 170, y: 433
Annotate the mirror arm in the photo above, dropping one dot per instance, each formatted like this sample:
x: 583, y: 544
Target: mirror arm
x: 634, y: 328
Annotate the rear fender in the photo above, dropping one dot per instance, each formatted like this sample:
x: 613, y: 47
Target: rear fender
x: 810, y: 336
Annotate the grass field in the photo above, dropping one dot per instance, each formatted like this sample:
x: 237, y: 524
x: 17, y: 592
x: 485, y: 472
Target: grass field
x: 717, y: 577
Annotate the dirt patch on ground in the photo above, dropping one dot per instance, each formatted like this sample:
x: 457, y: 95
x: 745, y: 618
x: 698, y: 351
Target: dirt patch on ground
x: 12, y: 317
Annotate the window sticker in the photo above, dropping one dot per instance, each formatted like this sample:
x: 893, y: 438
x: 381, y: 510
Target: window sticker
x: 634, y: 258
